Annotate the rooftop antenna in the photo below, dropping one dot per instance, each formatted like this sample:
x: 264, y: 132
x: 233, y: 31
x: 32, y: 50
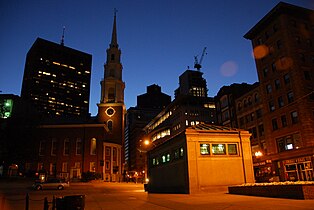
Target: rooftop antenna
x: 62, y: 38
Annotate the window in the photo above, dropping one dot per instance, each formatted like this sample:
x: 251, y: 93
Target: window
x: 256, y: 98
x: 92, y: 166
x: 280, y: 102
x: 66, y: 147
x: 176, y: 154
x: 249, y: 101
x: 283, y: 121
x: 65, y: 167
x: 219, y: 149
x: 112, y: 57
x: 290, y: 97
x: 40, y: 166
x: 268, y: 88
x: 42, y: 146
x: 261, y: 130
x: 245, y: 103
x: 78, y: 146
x: 181, y: 152
x: 265, y: 72
x: 254, y: 132
x: 93, y: 146
x: 53, y: 147
x: 239, y: 106
x: 168, y: 157
x: 277, y: 84
x: 232, y: 149
x: 107, y: 165
x: 110, y: 125
x: 108, y: 151
x: 286, y: 78
x: 286, y: 143
x: 163, y: 158
x: 294, y: 117
x: 52, y: 169
x: 205, y: 149
x: 259, y: 113
x: 271, y: 106
x: 274, y: 124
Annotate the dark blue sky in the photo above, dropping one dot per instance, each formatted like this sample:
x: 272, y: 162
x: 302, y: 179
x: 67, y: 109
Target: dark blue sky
x: 158, y: 39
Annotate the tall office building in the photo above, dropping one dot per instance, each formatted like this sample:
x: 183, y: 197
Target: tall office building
x: 57, y: 80
x: 191, y: 83
x: 190, y: 107
x: 284, y: 54
x: 148, y: 106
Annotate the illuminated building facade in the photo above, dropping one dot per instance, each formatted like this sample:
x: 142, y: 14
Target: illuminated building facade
x: 283, y: 48
x: 148, y: 106
x: 57, y: 80
x: 199, y: 157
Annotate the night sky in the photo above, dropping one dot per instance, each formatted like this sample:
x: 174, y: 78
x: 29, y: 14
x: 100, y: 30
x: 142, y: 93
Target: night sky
x: 158, y: 39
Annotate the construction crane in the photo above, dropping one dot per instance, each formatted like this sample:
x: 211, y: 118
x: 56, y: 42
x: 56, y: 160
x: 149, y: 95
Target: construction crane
x: 197, y: 64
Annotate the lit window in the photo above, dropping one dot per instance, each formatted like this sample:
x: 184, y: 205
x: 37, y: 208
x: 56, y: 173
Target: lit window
x: 93, y: 146
x: 92, y: 167
x: 163, y: 158
x: 232, y: 149
x: 181, y: 152
x: 65, y: 167
x: 205, y: 149
x: 219, y: 149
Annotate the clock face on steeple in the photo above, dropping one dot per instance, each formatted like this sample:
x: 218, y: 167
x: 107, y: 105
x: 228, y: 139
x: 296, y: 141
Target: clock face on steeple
x: 110, y: 111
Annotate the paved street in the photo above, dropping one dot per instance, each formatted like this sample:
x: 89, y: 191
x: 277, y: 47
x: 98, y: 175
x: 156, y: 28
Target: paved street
x: 103, y: 196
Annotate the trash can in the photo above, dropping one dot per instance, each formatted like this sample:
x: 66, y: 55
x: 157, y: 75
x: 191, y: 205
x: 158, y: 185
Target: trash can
x: 59, y: 203
x: 74, y: 202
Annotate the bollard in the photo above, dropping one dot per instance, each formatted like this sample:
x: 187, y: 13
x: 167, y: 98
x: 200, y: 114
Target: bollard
x: 27, y: 202
x: 46, y: 205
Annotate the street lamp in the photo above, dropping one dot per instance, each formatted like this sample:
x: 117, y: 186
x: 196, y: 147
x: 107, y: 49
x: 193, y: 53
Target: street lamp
x: 258, y: 154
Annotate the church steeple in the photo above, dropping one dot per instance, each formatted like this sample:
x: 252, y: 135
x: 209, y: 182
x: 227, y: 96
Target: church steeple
x: 112, y: 86
x: 114, y: 39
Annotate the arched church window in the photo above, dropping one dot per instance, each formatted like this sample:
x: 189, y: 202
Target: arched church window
x: 110, y: 125
x: 112, y: 57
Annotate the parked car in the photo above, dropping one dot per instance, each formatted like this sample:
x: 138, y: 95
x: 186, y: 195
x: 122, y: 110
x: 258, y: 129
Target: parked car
x: 58, y: 184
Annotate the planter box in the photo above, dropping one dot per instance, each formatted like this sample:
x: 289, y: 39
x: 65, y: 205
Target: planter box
x: 277, y: 191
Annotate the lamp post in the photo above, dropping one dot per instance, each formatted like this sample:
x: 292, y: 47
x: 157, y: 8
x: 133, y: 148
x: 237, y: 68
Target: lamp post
x: 145, y: 146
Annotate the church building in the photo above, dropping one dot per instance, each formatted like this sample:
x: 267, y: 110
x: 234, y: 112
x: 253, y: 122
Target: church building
x: 68, y: 148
